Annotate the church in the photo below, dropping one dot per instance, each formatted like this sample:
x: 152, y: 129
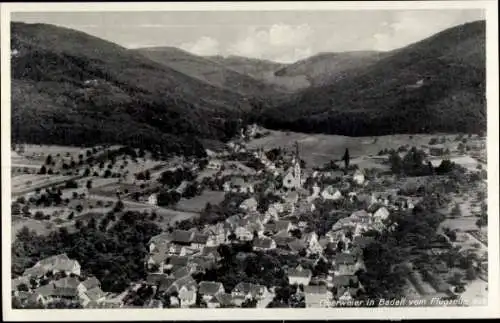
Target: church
x: 292, y: 179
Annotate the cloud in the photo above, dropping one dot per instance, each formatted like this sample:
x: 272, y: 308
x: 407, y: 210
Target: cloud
x: 204, y: 46
x: 411, y: 26
x: 281, y: 42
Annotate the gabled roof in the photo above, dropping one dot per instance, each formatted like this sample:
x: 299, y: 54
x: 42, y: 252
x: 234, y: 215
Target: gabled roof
x: 299, y: 272
x: 163, y: 238
x: 178, y: 260
x: 315, y: 289
x: 237, y: 181
x: 282, y: 225
x: 224, y: 299
x: 210, y: 288
x: 182, y: 236
x: 263, y: 242
x: 360, y: 214
x: 165, y: 284
x: 207, y: 251
x: 297, y: 245
x: 248, y: 288
x: 200, y: 238
x: 95, y: 293
x: 345, y: 258
x: 181, y: 272
x: 67, y: 282
x: 91, y: 282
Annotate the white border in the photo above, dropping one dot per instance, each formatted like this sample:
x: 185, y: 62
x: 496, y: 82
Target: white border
x: 259, y: 314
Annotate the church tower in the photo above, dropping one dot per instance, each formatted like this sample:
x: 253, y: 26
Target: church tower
x: 296, y: 167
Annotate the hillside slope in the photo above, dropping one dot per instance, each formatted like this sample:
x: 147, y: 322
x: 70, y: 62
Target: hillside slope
x: 437, y: 84
x: 264, y: 70
x: 209, y: 71
x: 325, y: 68
x: 72, y: 88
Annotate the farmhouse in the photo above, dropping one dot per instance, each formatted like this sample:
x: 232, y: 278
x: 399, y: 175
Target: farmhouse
x: 209, y: 289
x: 55, y: 264
x: 330, y: 193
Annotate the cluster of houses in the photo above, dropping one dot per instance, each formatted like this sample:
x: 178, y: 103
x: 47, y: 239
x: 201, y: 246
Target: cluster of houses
x: 57, y: 279
x: 175, y: 257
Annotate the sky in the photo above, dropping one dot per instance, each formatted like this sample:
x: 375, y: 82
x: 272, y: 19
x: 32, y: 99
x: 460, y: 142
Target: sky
x: 282, y: 36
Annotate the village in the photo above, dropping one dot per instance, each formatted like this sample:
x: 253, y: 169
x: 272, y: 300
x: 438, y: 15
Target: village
x: 255, y: 227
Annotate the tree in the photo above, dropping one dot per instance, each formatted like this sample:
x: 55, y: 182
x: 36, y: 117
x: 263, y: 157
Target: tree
x: 71, y: 216
x: 119, y: 206
x: 78, y: 224
x: 39, y: 215
x: 79, y: 208
x: 50, y: 171
x: 89, y: 184
x: 340, y: 246
x: 42, y: 170
x: 48, y: 160
x: 346, y: 158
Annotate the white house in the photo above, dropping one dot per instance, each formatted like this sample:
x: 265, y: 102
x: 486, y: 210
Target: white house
x: 153, y: 199
x: 381, y: 214
x: 330, y: 193
x: 214, y: 164
x: 359, y: 177
x: 249, y: 204
x: 299, y: 276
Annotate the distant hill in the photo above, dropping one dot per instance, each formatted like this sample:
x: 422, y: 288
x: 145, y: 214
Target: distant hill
x: 437, y: 84
x: 72, y: 88
x: 263, y: 70
x: 210, y: 71
x: 324, y: 68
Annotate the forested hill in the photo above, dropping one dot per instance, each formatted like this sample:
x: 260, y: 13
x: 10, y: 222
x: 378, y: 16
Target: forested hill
x: 72, y: 88
x: 437, y: 84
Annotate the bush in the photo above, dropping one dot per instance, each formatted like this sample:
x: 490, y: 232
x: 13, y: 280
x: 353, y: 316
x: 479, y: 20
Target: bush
x: 433, y: 141
x: 39, y: 215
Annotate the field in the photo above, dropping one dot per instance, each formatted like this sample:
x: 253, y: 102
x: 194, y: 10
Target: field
x: 198, y: 203
x: 29, y: 182
x: 318, y: 149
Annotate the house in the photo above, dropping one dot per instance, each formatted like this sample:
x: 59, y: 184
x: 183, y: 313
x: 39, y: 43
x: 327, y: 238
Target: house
x: 238, y: 185
x: 217, y: 234
x: 249, y: 291
x: 362, y: 241
x: 359, y: 177
x: 199, y: 241
x: 153, y: 199
x: 243, y: 233
x: 299, y: 276
x: 92, y: 295
x: 182, y: 187
x: 54, y: 264
x: 361, y: 217
x: 381, y: 214
x: 264, y: 243
x: 249, y: 204
x: 311, y: 241
x: 159, y: 241
x: 345, y: 264
x: 296, y: 246
x: 156, y: 261
x: 215, y: 164
x: 186, y: 288
x: 329, y: 193
x: 283, y: 225
x: 220, y: 300
x: 210, y: 289
x: 317, y: 296
x: 211, y: 253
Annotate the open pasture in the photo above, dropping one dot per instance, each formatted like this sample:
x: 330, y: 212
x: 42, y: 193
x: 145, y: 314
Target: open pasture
x: 318, y: 149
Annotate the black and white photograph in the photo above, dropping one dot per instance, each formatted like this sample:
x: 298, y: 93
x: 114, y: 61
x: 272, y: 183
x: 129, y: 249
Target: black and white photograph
x: 196, y: 160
